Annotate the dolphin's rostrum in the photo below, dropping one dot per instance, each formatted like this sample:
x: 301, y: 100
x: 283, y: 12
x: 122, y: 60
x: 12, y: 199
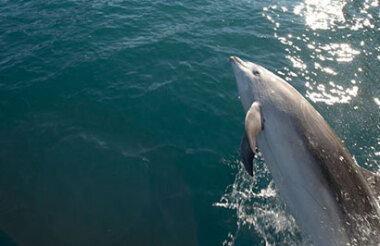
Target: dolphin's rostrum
x: 332, y: 198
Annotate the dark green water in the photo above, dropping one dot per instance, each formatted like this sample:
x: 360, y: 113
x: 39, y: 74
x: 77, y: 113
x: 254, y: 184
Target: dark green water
x: 120, y: 122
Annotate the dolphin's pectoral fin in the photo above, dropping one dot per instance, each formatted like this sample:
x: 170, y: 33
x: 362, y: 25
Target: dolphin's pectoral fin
x: 253, y: 126
x: 247, y: 154
x: 373, y: 180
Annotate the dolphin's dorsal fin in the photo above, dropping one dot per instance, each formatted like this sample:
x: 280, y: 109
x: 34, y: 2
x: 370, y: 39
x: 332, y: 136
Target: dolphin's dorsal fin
x: 373, y: 180
x: 253, y: 126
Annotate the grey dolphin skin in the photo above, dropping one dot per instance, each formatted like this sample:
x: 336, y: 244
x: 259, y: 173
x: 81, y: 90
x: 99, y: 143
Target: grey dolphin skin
x: 333, y: 200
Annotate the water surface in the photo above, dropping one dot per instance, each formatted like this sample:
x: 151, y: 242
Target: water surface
x: 120, y: 122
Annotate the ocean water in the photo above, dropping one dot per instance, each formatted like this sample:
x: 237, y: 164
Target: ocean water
x: 120, y: 122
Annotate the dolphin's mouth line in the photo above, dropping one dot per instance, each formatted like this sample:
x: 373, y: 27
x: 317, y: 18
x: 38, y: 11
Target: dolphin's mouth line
x: 237, y: 60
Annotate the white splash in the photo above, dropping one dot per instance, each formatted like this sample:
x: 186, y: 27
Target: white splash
x: 259, y: 210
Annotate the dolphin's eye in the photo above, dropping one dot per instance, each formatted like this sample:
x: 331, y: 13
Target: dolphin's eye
x: 256, y: 73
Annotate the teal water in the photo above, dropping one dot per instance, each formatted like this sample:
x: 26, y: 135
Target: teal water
x: 120, y: 121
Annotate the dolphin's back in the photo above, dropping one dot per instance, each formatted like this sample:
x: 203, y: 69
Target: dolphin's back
x: 344, y: 177
x: 346, y: 181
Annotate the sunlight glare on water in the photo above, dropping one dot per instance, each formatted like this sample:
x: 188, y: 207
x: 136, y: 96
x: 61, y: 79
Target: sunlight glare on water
x: 321, y: 14
x: 318, y: 16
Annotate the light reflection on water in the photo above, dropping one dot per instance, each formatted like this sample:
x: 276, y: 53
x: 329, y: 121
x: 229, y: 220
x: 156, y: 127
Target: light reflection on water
x: 321, y: 14
x: 327, y: 58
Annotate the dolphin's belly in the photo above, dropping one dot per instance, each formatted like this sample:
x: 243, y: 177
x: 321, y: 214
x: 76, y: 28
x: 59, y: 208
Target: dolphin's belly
x: 302, y: 184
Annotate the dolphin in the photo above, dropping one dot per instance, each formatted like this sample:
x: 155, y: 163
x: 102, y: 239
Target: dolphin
x: 333, y: 200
